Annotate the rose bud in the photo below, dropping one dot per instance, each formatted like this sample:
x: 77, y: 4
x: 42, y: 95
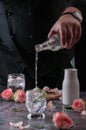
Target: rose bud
x: 19, y: 95
x: 7, y: 94
x: 62, y: 120
x: 78, y: 105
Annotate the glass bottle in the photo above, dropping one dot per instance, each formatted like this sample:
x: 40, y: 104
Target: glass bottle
x: 53, y: 44
x: 70, y: 87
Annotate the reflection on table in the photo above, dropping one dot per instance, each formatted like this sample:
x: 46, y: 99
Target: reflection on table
x: 15, y: 112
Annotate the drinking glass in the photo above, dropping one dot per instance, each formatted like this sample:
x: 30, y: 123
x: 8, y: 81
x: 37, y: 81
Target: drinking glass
x: 16, y: 81
x: 35, y: 104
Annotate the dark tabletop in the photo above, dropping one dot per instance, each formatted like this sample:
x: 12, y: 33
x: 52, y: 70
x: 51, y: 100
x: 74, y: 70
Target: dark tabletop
x: 15, y: 112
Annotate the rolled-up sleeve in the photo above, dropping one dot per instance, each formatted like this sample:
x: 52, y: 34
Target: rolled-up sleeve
x: 81, y: 5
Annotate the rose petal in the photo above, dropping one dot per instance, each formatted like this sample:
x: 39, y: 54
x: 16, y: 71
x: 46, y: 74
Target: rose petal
x: 50, y: 105
x: 16, y: 125
x: 24, y: 127
x: 83, y: 113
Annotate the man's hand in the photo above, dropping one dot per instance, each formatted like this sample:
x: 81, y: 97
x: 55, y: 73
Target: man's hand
x: 69, y: 30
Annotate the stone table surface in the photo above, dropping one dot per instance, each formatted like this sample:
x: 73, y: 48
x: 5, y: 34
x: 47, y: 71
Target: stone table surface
x: 15, y: 112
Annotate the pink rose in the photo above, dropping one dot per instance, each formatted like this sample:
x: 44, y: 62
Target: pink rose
x: 78, y: 105
x: 62, y: 120
x: 19, y: 95
x: 7, y: 94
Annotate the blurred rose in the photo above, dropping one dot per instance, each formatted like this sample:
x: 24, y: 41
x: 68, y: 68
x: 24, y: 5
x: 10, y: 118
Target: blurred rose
x: 7, y: 94
x: 62, y: 120
x: 19, y: 95
x: 78, y: 105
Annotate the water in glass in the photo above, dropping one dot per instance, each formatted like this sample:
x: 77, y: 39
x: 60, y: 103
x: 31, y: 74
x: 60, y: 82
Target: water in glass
x: 16, y: 81
x: 35, y: 103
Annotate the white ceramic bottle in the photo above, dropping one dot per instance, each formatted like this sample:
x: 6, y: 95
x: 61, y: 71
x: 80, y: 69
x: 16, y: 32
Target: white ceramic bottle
x: 70, y: 87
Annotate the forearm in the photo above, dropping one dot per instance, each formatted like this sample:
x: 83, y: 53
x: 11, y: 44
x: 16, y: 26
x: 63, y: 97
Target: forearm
x: 71, y: 9
x: 78, y: 5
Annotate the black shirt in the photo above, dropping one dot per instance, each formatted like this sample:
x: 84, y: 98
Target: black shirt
x: 29, y: 23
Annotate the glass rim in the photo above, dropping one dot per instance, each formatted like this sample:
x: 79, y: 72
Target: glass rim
x: 16, y: 74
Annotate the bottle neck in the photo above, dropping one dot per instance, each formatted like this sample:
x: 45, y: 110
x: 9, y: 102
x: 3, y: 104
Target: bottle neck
x: 53, y: 44
x: 70, y: 73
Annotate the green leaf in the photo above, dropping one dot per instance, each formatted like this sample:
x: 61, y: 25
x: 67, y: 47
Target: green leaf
x: 16, y: 109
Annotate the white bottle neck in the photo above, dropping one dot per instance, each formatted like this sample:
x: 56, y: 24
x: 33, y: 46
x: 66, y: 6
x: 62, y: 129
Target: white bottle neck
x: 70, y: 73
